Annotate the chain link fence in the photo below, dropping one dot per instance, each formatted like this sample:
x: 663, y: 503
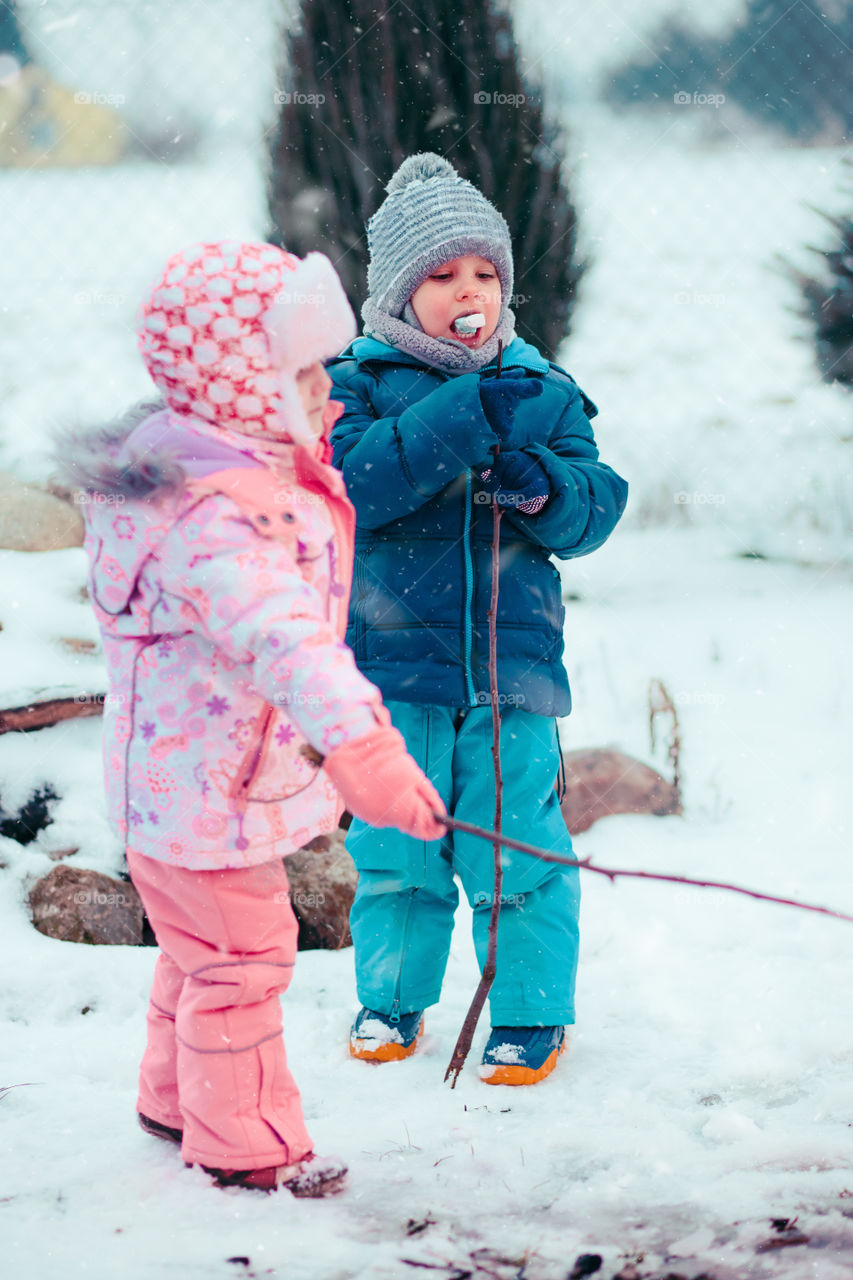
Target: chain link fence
x: 132, y: 129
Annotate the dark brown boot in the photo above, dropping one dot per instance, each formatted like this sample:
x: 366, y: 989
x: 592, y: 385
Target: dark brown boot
x: 314, y: 1176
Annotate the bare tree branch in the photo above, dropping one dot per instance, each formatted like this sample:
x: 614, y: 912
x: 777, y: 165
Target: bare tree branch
x: 613, y: 873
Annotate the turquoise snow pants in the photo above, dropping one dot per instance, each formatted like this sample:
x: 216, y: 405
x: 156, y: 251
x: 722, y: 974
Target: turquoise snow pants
x: 402, y: 916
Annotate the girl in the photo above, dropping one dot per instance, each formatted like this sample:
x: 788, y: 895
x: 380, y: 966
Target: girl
x: 428, y: 439
x: 219, y: 541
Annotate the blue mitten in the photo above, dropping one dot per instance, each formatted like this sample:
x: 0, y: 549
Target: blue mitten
x: 518, y: 480
x: 501, y: 396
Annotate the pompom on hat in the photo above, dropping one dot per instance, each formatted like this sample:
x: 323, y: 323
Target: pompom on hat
x: 226, y: 328
x: 430, y: 215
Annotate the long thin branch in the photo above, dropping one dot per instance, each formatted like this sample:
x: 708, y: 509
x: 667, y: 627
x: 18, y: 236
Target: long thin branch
x: 472, y: 1017
x: 469, y: 1026
x: 612, y: 873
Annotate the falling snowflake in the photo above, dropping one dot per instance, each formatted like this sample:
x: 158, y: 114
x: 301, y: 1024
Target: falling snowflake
x: 148, y: 730
x: 285, y: 734
x: 217, y: 706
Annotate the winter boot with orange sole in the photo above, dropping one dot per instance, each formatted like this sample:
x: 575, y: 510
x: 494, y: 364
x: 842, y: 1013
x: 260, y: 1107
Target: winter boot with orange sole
x: 375, y: 1038
x: 521, y: 1055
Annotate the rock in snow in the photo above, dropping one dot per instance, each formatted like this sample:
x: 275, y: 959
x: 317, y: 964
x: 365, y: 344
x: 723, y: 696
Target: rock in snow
x: 33, y: 520
x: 601, y: 782
x: 75, y: 904
x: 322, y: 886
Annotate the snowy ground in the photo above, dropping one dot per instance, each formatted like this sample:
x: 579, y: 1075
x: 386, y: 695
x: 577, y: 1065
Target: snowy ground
x: 709, y: 1086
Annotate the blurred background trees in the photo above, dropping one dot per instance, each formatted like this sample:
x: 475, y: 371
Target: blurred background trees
x: 790, y: 66
x: 366, y: 84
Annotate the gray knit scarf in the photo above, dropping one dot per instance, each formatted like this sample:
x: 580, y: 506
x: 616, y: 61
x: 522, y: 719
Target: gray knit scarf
x: 445, y: 354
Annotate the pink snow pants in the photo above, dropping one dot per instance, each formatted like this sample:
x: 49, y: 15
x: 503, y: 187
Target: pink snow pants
x: 214, y: 1064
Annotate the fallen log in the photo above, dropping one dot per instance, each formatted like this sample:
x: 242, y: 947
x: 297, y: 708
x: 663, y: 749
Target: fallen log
x: 40, y: 715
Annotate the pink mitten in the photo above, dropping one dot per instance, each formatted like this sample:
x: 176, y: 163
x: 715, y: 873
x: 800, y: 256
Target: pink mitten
x: 381, y: 784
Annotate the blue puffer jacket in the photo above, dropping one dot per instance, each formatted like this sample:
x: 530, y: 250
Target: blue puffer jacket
x: 411, y: 443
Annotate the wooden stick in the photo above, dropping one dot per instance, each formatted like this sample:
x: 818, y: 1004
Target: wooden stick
x: 472, y: 1017
x: 586, y: 864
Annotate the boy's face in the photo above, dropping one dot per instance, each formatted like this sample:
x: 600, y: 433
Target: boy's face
x: 459, y: 287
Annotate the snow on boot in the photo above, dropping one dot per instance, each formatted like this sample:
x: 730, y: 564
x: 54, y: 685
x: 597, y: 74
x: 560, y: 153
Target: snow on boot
x: 159, y: 1130
x: 313, y: 1176
x: 376, y: 1038
x: 521, y: 1055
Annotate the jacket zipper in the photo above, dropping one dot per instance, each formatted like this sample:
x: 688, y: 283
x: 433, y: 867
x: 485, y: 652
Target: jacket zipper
x: 248, y: 768
x: 469, y: 592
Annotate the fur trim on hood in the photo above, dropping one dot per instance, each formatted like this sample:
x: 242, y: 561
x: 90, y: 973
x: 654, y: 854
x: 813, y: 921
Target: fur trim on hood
x: 98, y: 459
x: 146, y: 453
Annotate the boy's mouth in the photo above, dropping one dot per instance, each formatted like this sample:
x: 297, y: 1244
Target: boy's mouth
x: 470, y: 327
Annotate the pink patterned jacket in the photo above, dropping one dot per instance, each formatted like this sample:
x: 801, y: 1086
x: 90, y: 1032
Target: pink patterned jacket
x: 223, y: 604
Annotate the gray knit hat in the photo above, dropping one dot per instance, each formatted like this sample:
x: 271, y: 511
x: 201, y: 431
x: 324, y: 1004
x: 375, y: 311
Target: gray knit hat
x: 429, y: 216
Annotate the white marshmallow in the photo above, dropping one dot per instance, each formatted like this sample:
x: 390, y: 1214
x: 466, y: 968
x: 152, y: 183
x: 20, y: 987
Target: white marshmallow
x: 470, y: 324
